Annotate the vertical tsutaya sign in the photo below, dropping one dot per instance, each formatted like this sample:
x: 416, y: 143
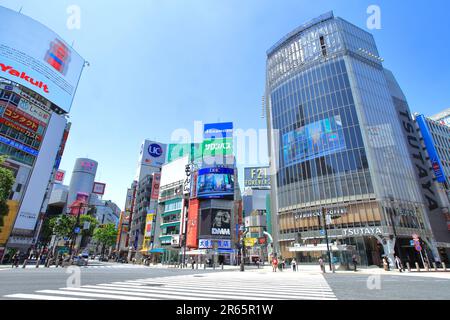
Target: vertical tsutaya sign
x: 155, y: 186
x: 256, y: 177
x: 37, y: 58
x: 436, y: 164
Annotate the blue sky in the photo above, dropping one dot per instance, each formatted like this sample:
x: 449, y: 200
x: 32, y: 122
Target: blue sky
x: 160, y: 65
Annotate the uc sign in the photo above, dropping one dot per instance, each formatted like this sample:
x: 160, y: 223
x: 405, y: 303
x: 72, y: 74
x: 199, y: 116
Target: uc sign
x: 155, y: 150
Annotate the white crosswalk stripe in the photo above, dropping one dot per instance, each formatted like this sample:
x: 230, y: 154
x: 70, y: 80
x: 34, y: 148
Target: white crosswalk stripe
x: 211, y: 286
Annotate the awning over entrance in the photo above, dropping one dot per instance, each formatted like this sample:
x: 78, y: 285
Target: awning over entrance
x: 194, y: 252
x: 320, y: 247
x: 157, y: 250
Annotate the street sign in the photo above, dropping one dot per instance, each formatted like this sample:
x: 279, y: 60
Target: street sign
x: 411, y: 243
x: 322, y: 232
x: 415, y: 236
x: 418, y: 247
x: 77, y: 230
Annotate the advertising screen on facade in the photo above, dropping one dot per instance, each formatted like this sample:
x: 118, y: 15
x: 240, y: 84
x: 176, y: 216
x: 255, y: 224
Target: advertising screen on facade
x: 37, y: 58
x: 313, y: 140
x: 218, y: 130
x: 220, y: 222
x: 215, y: 183
x: 257, y: 177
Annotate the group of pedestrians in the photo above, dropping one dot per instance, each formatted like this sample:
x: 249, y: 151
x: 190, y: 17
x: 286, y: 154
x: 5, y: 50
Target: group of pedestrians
x: 276, y: 264
x: 46, y: 259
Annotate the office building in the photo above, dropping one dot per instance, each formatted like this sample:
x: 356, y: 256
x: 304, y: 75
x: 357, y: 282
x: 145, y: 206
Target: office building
x: 336, y: 142
x: 35, y: 96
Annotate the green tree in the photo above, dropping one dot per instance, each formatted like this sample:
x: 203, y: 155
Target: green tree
x: 6, y: 182
x: 106, y: 235
x: 62, y: 226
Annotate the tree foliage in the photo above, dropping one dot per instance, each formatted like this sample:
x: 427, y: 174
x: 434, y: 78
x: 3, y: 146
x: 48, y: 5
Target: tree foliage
x: 106, y: 235
x: 6, y: 182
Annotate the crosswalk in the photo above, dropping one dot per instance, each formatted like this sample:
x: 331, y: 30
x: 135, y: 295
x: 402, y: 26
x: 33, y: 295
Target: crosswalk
x: 208, y: 286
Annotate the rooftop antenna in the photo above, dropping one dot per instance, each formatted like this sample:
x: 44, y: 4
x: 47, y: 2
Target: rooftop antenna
x: 20, y: 10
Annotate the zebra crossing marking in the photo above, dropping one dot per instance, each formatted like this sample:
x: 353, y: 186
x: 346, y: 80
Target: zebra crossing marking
x: 214, y: 286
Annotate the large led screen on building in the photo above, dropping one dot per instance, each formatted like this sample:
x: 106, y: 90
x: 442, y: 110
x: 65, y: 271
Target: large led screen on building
x: 313, y: 140
x: 215, y: 183
x: 37, y: 58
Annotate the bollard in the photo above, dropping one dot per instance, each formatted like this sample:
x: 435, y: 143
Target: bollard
x: 427, y: 268
x: 417, y: 267
x: 444, y: 266
x: 196, y: 266
x: 408, y: 266
x: 204, y: 266
x: 222, y: 266
x: 435, y: 266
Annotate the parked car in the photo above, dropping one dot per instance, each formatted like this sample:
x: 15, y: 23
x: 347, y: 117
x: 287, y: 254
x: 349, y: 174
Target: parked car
x: 80, y: 261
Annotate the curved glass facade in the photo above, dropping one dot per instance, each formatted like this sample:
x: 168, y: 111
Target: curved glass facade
x: 337, y: 143
x: 321, y: 153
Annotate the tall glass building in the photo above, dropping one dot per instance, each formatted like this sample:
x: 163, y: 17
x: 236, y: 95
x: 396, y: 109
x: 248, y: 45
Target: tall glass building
x: 336, y: 143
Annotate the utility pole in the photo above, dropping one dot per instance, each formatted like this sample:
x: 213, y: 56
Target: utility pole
x: 324, y: 211
x: 74, y: 235
x: 243, y: 249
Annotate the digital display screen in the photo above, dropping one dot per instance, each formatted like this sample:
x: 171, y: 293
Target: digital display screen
x: 313, y: 140
x: 215, y: 183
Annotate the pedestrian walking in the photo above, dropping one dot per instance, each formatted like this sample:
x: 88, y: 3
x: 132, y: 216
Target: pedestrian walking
x: 274, y: 264
x: 386, y: 263
x: 355, y: 262
x: 16, y: 259
x: 294, y: 265
x: 399, y: 264
x: 192, y: 263
x: 258, y: 262
x: 322, y: 265
x: 283, y: 265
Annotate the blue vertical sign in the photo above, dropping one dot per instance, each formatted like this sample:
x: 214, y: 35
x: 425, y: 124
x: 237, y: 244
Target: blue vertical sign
x: 432, y: 152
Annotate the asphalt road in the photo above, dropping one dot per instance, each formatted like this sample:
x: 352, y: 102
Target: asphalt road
x: 345, y: 286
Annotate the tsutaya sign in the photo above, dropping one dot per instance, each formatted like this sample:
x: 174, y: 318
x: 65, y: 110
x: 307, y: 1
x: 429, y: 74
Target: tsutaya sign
x: 364, y: 231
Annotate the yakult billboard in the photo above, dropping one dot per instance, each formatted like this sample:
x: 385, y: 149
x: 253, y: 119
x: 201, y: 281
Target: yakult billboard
x: 37, y: 58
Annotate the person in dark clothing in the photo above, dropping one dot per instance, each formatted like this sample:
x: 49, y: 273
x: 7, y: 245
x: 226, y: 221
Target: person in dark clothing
x: 355, y: 262
x: 16, y: 259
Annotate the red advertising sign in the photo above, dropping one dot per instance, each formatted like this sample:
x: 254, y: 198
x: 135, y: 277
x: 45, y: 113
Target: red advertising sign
x: 155, y: 186
x: 192, y: 227
x: 99, y: 188
x: 59, y: 176
x: 29, y: 134
x: 21, y: 118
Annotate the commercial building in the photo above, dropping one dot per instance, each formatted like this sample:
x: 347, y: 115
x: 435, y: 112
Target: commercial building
x: 39, y: 74
x: 338, y: 147
x: 256, y: 199
x: 83, y: 178
x: 435, y: 140
x: 142, y: 194
x: 442, y: 117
